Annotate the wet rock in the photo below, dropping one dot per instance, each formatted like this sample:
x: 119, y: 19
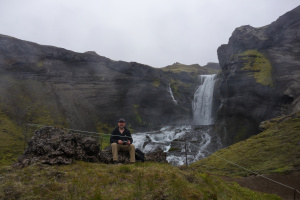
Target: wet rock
x: 157, y: 156
x: 178, y: 131
x: 58, y: 146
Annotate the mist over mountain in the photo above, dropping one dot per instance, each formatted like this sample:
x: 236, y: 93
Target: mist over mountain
x: 88, y: 91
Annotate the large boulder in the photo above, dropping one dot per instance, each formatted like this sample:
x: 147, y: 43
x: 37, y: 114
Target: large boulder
x: 57, y: 146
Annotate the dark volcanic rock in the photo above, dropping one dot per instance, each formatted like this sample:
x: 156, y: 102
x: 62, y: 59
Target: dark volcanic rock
x: 87, y: 89
x: 260, y: 76
x: 58, y: 146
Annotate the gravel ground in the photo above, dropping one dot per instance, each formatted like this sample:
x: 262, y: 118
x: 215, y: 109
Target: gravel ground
x: 261, y: 184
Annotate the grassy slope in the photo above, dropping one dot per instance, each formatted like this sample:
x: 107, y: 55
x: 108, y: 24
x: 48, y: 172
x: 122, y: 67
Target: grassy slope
x: 191, y: 69
x: 11, y: 140
x: 100, y: 181
x: 277, y: 149
x: 22, y: 102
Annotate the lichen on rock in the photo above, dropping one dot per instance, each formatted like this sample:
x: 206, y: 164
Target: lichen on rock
x: 52, y: 146
x: 258, y: 66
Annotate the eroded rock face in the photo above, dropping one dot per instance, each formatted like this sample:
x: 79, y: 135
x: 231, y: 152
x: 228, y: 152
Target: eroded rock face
x: 58, y: 146
x: 260, y: 76
x: 87, y: 89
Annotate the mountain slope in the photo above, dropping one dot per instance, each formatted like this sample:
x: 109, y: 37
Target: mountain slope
x: 276, y: 149
x: 260, y: 76
x: 54, y: 86
x: 89, y: 90
x: 99, y: 181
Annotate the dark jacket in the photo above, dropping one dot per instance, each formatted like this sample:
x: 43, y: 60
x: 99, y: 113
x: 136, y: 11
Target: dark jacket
x: 116, y: 136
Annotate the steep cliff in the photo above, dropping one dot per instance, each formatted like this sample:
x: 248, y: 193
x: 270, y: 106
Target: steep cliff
x: 45, y: 84
x: 260, y: 76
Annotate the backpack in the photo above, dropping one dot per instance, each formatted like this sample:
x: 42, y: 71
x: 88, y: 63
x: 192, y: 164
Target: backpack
x: 139, y: 155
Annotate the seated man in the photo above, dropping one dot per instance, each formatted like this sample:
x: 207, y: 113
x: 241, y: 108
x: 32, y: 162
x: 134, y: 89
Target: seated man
x: 121, y: 140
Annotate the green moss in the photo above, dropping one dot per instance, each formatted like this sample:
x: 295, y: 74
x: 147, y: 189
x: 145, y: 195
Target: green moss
x: 174, y: 149
x: 156, y: 82
x: 11, y: 140
x: 106, y: 128
x: 193, y: 70
x: 137, y: 116
x: 23, y: 102
x: 40, y: 64
x: 175, y: 88
x: 258, y: 66
x: 100, y: 181
x: 274, y: 150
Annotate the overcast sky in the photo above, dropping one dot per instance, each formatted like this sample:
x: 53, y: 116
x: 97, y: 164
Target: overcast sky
x: 153, y: 32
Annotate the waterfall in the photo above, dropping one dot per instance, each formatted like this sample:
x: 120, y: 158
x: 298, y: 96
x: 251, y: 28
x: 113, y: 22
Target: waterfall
x: 203, y: 99
x: 199, y: 140
x: 172, y: 140
x: 171, y: 93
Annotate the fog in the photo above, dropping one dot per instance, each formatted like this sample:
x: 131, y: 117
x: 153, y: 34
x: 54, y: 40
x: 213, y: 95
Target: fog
x: 156, y: 33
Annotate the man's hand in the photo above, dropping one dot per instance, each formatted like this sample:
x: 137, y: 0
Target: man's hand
x: 128, y: 142
x: 120, y: 142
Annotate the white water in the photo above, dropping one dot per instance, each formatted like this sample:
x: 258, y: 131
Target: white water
x: 203, y: 99
x: 171, y: 139
x: 199, y: 140
x: 171, y: 93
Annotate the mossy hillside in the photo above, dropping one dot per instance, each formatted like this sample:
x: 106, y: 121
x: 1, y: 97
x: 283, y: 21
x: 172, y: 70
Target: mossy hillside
x: 100, y: 181
x: 137, y: 116
x: 194, y: 70
x: 156, y: 82
x: 179, y: 88
x: 11, y: 140
x: 258, y: 66
x: 23, y: 102
x: 275, y: 150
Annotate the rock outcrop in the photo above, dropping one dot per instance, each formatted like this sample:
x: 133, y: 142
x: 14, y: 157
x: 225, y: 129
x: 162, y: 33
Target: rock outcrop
x: 57, y: 146
x: 260, y: 76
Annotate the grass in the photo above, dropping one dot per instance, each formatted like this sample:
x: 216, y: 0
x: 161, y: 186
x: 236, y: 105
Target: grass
x: 100, y: 181
x: 137, y: 116
x: 23, y: 102
x: 11, y: 140
x: 258, y: 66
x: 275, y: 150
x: 194, y: 70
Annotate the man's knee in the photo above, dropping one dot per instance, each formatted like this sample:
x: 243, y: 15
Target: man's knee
x: 132, y: 146
x: 114, y: 145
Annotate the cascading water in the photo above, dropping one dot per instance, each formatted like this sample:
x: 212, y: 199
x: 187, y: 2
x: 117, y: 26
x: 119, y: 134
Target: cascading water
x: 203, y: 99
x: 200, y: 140
x: 171, y: 93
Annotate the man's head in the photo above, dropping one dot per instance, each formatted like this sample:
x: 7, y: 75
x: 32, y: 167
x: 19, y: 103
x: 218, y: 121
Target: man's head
x: 121, y: 123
